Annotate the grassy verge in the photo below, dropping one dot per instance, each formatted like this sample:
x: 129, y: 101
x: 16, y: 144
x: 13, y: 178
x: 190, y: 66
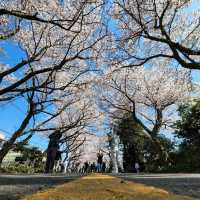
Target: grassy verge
x: 103, y: 187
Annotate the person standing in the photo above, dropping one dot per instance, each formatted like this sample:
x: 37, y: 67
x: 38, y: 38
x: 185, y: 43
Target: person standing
x: 86, y: 166
x: 52, y: 150
x: 99, y: 162
x: 93, y: 167
x: 104, y: 167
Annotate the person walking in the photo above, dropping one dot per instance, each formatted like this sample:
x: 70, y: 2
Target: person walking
x: 104, y: 167
x: 137, y: 167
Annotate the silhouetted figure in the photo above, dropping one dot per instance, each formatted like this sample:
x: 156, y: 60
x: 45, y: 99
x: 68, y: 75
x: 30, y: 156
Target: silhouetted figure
x: 93, y: 167
x: 103, y: 167
x: 99, y: 162
x: 86, y: 166
x: 52, y: 150
x: 62, y: 167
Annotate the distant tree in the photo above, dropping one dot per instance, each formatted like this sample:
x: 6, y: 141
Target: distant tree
x: 188, y: 129
x: 31, y: 154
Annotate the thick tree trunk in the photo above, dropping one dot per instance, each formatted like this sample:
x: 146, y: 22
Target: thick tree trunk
x: 113, y: 154
x: 114, y: 161
x: 5, y: 149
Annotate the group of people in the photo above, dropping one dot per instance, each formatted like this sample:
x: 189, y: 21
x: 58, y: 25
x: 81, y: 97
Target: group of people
x: 54, y: 163
x: 93, y: 167
x: 99, y: 166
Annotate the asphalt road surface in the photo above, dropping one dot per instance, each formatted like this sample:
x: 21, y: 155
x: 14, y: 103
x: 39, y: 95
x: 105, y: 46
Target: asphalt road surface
x: 12, y: 187
x: 182, y: 184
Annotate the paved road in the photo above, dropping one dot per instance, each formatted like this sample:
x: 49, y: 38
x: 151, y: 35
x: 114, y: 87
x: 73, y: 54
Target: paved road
x: 183, y: 184
x: 12, y: 187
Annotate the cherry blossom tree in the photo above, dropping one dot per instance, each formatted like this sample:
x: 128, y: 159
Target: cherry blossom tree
x: 59, y: 40
x: 49, y: 47
x: 149, y: 94
x: 156, y: 29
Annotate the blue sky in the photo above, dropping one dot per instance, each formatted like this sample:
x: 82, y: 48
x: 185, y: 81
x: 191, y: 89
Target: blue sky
x: 196, y: 75
x: 13, y: 114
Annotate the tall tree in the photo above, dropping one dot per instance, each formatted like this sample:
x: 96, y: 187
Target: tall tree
x: 149, y: 94
x: 157, y: 29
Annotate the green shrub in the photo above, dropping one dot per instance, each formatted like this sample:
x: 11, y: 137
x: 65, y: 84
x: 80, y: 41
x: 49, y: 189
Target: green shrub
x: 22, y: 169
